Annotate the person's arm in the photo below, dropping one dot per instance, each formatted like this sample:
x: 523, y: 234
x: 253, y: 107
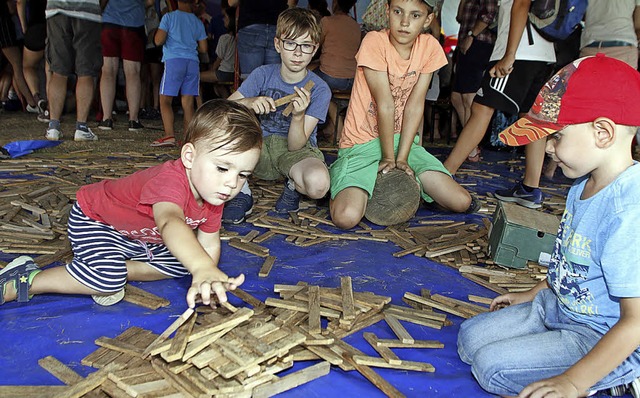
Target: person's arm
x: 292, y: 3
x: 233, y: 3
x: 413, y: 111
x: 21, y: 8
x: 460, y: 10
x: 202, y: 46
x: 260, y: 105
x: 199, y: 255
x: 612, y: 349
x: 378, y: 83
x: 508, y: 299
x: 160, y: 37
x: 301, y: 125
x: 519, y: 17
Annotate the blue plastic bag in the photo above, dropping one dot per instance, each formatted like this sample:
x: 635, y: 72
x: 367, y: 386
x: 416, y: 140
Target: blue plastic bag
x: 21, y: 148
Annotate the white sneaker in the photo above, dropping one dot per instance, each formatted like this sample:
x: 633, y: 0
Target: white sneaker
x: 32, y: 109
x: 82, y: 135
x: 109, y: 299
x: 53, y: 135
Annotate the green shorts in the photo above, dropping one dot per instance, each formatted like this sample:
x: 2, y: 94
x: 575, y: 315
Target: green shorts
x: 358, y: 166
x: 276, y: 159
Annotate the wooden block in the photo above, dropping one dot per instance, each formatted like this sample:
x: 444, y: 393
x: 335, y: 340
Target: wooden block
x: 180, y: 340
x: 266, y: 266
x: 374, y: 378
x: 348, y: 309
x: 143, y: 298
x: 180, y: 383
x: 247, y: 298
x: 292, y: 380
x: 435, y: 304
x: 120, y: 346
x: 326, y: 354
x: 482, y: 282
x: 404, y: 365
x: 385, y: 352
x: 59, y: 370
x: 89, y: 383
x: 249, y: 247
x: 172, y: 328
x: 287, y: 111
x: 410, y: 317
x: 391, y: 343
x: 398, y: 329
x: 300, y: 306
x: 32, y: 391
x: 428, y: 314
x: 314, y: 309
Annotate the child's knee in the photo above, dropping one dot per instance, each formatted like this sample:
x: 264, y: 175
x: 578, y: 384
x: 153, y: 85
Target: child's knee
x: 346, y: 217
x: 489, y: 370
x: 317, y: 183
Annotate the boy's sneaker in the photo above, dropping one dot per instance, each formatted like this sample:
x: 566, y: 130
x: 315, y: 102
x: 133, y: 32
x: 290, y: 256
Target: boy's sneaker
x: 135, y: 125
x: 519, y: 195
x: 237, y: 209
x: 110, y: 299
x: 634, y: 388
x: 53, y: 134
x: 85, y: 135
x: 288, y: 201
x: 43, y: 111
x: 32, y: 109
x: 106, y: 124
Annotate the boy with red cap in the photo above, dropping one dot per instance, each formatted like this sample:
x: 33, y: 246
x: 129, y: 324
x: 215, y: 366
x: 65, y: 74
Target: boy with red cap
x: 577, y: 331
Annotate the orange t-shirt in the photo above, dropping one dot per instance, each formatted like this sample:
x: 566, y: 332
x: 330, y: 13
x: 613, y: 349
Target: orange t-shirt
x: 377, y: 53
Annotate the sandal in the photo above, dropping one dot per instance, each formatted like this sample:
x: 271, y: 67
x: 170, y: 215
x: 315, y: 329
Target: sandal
x: 164, y: 142
x: 21, y: 272
x: 475, y: 158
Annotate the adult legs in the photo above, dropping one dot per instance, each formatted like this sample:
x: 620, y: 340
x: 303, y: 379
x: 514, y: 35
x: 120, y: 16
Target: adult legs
x: 534, y: 160
x: 470, y: 136
x: 14, y: 56
x: 84, y: 96
x: 348, y: 207
x: 57, y: 92
x: 133, y: 87
x: 108, y: 85
x: 30, y: 65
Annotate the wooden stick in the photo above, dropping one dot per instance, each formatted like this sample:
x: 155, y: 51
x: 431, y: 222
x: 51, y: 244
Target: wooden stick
x: 314, y: 309
x: 292, y: 380
x: 385, y: 352
x: 172, y: 328
x: 266, y: 266
x: 374, y: 378
x: 404, y: 365
x: 398, y: 329
x: 180, y: 340
x: 348, y: 309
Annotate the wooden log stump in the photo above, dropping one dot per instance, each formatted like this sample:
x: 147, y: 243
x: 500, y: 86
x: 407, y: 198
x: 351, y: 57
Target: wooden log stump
x: 395, y: 199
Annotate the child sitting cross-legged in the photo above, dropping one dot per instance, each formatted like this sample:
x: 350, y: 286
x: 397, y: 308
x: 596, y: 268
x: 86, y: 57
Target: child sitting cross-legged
x: 577, y: 331
x: 141, y: 227
x: 290, y: 147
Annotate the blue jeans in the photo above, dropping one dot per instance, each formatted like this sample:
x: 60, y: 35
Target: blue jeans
x: 518, y: 345
x: 256, y: 48
x: 334, y: 82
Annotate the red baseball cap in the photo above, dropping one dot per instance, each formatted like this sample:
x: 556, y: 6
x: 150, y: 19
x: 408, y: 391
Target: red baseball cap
x: 582, y: 91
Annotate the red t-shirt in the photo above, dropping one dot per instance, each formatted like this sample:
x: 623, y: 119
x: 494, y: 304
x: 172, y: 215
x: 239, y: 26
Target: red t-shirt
x: 126, y: 203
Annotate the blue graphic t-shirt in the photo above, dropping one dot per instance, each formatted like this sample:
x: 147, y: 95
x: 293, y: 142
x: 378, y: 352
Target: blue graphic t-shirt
x: 596, y: 257
x: 266, y: 81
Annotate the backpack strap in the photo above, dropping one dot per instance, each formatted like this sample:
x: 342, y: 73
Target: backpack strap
x: 529, y: 34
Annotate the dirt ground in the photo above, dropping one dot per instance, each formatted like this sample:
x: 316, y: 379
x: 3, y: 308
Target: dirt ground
x: 17, y: 126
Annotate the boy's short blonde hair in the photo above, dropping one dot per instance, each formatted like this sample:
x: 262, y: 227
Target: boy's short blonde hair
x: 295, y: 22
x: 222, y: 123
x: 431, y: 4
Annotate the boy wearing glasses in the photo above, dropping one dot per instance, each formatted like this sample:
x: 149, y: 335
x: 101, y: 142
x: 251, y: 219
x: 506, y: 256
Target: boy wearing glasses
x: 395, y: 67
x: 290, y: 146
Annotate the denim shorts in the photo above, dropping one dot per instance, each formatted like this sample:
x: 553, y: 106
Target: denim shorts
x: 513, y: 347
x: 256, y: 48
x: 334, y: 82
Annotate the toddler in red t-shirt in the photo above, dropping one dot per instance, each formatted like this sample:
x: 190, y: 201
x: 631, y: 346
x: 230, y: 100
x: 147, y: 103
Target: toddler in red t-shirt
x: 140, y: 227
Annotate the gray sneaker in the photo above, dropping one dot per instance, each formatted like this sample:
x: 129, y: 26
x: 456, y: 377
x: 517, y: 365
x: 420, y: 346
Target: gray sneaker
x: 53, y: 134
x: 82, y: 135
x: 110, y: 299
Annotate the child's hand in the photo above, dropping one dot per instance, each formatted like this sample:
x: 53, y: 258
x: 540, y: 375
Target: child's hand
x: 301, y: 102
x: 386, y: 165
x: 262, y: 105
x: 503, y: 67
x: 508, y: 299
x: 404, y: 166
x: 559, y: 386
x: 215, y: 281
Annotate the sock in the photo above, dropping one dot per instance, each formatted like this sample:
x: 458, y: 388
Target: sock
x: 245, y: 189
x: 82, y: 126
x: 290, y: 184
x: 527, y: 188
x: 54, y: 124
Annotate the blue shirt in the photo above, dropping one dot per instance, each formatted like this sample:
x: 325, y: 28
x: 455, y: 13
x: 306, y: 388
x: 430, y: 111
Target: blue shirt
x: 266, y: 81
x: 596, y: 255
x: 184, y: 31
x: 129, y: 13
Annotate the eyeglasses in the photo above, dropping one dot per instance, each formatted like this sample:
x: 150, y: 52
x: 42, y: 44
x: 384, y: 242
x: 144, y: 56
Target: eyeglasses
x: 291, y: 45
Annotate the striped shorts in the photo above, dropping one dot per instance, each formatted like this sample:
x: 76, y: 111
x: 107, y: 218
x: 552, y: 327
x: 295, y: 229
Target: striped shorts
x: 100, y: 253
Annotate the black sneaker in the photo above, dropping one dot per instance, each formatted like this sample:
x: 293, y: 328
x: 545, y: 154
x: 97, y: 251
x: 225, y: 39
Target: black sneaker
x: 135, y: 125
x: 236, y: 210
x: 106, y: 124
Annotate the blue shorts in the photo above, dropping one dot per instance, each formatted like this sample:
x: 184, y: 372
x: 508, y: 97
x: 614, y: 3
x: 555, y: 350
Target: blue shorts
x: 180, y: 76
x: 100, y: 253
